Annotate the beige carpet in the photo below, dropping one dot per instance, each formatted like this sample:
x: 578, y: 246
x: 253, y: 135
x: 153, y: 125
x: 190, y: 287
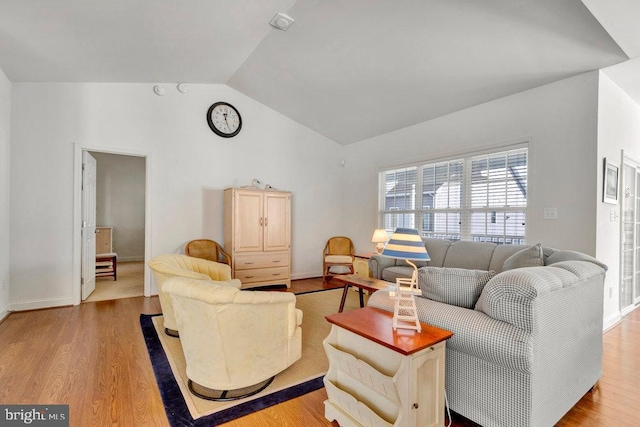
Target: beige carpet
x: 315, y: 306
x: 130, y: 283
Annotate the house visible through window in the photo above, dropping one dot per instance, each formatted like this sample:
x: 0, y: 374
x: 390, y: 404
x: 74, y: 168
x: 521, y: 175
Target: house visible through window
x: 480, y: 198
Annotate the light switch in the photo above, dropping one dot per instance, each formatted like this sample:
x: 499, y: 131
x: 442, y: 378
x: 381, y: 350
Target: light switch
x: 613, y: 215
x: 550, y: 213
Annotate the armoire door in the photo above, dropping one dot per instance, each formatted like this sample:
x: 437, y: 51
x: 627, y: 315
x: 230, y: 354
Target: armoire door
x: 249, y: 219
x: 276, y: 222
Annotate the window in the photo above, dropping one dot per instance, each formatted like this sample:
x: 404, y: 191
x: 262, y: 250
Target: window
x: 480, y: 198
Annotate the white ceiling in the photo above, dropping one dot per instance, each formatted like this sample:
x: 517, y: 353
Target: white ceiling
x: 349, y: 69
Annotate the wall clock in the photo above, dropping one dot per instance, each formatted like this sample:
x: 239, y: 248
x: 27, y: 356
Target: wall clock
x: 224, y: 119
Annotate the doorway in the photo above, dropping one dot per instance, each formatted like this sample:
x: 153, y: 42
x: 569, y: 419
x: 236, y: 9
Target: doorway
x: 120, y: 191
x: 630, y: 236
x: 122, y: 206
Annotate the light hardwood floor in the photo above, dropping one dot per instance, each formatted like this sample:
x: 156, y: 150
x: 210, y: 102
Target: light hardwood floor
x: 93, y: 357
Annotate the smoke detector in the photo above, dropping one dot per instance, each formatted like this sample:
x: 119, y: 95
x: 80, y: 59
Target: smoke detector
x: 281, y: 21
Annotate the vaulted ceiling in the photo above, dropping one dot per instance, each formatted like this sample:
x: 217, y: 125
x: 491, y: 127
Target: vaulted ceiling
x: 348, y: 69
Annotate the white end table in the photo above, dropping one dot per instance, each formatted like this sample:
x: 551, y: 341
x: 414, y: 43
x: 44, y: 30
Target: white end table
x: 378, y: 376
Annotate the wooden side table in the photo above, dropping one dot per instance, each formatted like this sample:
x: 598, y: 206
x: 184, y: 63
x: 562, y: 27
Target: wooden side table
x: 378, y: 376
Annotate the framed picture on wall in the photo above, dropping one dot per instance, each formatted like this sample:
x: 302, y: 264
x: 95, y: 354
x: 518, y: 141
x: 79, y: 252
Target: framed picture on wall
x: 611, y: 178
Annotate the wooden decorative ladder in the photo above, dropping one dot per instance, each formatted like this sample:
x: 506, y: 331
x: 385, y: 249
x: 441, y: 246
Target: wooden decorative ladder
x: 404, y: 309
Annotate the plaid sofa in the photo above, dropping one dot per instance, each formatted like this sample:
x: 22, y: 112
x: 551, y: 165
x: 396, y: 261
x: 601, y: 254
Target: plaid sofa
x: 531, y: 345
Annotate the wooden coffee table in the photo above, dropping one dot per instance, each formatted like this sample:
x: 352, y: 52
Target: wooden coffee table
x: 362, y: 283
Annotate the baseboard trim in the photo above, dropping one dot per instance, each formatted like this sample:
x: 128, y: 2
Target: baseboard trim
x: 301, y: 276
x: 38, y: 304
x: 131, y: 259
x: 4, y: 313
x: 611, y: 321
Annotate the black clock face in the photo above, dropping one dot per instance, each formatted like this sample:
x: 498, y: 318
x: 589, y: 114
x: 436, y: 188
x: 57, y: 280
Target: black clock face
x: 224, y: 119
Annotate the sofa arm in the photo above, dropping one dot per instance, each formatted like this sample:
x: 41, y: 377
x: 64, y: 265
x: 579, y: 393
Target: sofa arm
x: 511, y: 295
x: 377, y: 263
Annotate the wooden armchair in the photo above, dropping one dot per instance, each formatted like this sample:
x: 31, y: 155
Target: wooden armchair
x: 338, y: 252
x: 207, y: 249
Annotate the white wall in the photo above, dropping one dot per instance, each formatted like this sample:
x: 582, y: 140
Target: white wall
x: 559, y: 121
x: 188, y: 167
x: 5, y: 120
x: 120, y: 198
x: 618, y: 129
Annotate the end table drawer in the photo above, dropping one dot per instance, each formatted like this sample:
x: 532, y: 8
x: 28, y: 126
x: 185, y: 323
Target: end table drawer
x: 262, y: 274
x: 265, y: 260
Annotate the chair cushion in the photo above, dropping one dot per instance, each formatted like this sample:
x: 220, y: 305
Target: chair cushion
x: 346, y: 259
x: 529, y: 257
x: 455, y: 286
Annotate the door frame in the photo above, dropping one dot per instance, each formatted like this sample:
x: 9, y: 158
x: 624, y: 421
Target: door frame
x: 77, y: 214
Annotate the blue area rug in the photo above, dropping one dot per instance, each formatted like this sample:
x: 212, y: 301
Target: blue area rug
x: 174, y: 403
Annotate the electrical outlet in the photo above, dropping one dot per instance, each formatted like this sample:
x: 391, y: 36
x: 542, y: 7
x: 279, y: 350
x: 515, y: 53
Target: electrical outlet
x: 610, y: 292
x: 550, y: 213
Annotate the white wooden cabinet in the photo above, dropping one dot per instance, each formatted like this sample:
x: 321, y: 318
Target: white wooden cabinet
x: 257, y: 235
x: 361, y: 265
x: 374, y: 382
x: 104, y: 240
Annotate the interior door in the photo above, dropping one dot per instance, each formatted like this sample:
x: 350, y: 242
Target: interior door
x: 88, y: 278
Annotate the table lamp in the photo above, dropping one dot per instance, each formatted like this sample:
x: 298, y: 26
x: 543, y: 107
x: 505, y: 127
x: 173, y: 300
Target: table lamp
x: 380, y: 237
x: 406, y: 243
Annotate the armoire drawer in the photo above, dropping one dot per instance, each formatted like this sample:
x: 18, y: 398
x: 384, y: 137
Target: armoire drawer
x: 262, y: 274
x: 262, y: 260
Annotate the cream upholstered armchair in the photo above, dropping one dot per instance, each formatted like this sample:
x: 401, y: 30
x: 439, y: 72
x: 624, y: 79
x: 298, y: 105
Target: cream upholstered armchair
x: 177, y: 265
x: 234, y: 341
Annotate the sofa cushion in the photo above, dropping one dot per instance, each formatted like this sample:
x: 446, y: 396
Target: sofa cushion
x: 470, y: 255
x: 455, y: 286
x: 390, y: 274
x: 437, y: 250
x: 501, y: 254
x: 529, y: 257
x: 403, y: 263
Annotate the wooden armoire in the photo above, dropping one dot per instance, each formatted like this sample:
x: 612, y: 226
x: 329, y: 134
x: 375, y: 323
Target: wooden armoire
x: 257, y: 235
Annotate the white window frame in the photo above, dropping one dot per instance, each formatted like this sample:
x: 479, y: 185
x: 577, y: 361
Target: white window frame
x: 465, y: 210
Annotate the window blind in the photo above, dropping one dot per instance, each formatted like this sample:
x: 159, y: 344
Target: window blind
x: 479, y: 197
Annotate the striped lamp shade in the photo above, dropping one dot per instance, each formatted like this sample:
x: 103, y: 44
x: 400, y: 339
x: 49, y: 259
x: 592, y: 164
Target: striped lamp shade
x: 405, y: 243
